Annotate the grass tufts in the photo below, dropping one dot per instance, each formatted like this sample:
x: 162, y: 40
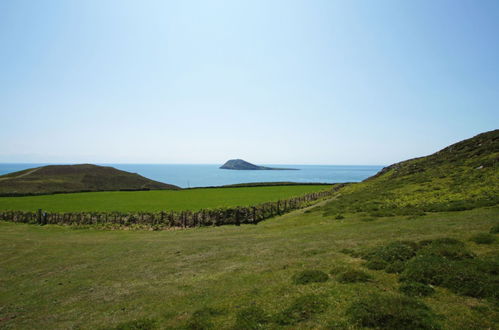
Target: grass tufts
x: 302, y: 309
x: 415, y: 289
x: 251, y: 318
x: 310, y: 276
x: 483, y: 238
x: 142, y: 324
x: 394, y: 251
x: 353, y: 276
x: 395, y: 267
x: 390, y: 311
x: 376, y: 264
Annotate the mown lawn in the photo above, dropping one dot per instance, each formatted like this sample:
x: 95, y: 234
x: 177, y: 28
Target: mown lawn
x: 157, y: 200
x: 59, y: 277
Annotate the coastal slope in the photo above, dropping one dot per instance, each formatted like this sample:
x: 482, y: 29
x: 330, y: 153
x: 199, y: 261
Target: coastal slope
x: 462, y: 176
x: 239, y: 164
x: 74, y: 178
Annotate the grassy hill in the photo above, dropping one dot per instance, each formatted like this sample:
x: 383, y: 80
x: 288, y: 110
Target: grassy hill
x: 462, y: 176
x: 74, y: 178
x: 414, y: 247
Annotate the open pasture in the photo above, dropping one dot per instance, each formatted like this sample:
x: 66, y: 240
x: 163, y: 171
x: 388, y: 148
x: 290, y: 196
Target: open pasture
x: 156, y: 200
x: 57, y: 277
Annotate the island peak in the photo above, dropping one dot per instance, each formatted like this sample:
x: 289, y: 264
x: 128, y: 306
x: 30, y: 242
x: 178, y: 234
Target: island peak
x: 239, y: 164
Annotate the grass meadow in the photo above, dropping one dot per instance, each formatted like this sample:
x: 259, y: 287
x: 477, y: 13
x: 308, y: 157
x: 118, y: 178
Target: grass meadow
x: 227, y: 277
x: 156, y: 200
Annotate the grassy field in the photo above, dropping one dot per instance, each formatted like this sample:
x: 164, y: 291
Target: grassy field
x: 59, y: 277
x: 157, y: 200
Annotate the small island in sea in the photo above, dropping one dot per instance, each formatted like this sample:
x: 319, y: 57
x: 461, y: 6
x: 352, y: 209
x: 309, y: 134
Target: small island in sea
x: 239, y: 164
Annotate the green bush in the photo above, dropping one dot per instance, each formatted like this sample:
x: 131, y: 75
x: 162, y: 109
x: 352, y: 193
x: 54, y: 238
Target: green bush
x: 376, y: 264
x: 446, y: 247
x: 483, y: 238
x: 416, y: 289
x: 394, y: 251
x: 302, y: 309
x: 395, y: 267
x: 352, y: 276
x: 251, y: 318
x: 390, y: 311
x: 467, y: 277
x: 339, y: 217
x: 310, y: 276
x: 427, y: 269
x: 494, y: 230
x: 142, y: 324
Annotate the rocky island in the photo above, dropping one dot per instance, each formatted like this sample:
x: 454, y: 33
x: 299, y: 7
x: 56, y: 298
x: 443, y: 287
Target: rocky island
x: 239, y: 164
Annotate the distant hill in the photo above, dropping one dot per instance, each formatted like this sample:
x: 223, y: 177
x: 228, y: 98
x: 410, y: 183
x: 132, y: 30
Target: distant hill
x: 74, y: 178
x: 239, y: 164
x: 462, y: 176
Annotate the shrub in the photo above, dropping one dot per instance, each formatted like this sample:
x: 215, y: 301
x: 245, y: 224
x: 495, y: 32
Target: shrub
x: 389, y: 311
x: 395, y: 251
x: 376, y: 264
x: 352, y: 276
x: 142, y: 324
x: 339, y: 217
x: 464, y: 277
x: 396, y: 267
x: 310, y: 276
x: 416, y: 289
x: 251, y: 318
x: 494, y: 230
x: 427, y: 269
x: 446, y: 247
x: 483, y: 238
x: 302, y: 309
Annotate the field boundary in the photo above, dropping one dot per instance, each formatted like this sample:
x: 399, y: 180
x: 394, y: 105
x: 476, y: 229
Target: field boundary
x: 173, y: 219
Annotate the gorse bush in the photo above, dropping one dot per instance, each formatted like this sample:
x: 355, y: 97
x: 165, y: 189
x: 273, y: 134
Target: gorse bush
x: 391, y: 311
x: 251, y: 318
x: 483, y: 238
x: 494, y: 230
x: 302, y: 309
x: 415, y: 289
x: 310, y: 276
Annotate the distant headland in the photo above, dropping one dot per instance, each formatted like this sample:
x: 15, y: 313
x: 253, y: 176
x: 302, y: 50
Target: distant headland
x: 74, y: 178
x: 239, y: 164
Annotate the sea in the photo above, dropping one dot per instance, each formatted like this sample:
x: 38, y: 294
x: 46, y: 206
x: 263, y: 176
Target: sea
x: 207, y: 175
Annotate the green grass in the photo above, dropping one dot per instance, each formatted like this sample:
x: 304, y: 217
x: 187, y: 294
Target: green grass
x: 157, y: 200
x: 230, y: 277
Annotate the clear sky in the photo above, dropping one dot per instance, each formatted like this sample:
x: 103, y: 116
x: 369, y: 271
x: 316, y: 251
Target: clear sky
x: 291, y: 82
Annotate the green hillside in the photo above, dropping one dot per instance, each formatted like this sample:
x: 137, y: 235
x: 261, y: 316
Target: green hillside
x: 462, y: 176
x: 74, y: 178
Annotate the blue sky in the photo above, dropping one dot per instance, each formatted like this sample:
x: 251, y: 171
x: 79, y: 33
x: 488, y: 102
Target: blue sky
x: 291, y: 82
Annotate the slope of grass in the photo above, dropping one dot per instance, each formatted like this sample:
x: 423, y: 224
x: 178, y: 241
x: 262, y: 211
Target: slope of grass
x: 157, y: 200
x: 462, y: 176
x: 228, y: 277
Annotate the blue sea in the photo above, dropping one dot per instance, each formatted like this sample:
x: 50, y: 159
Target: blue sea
x: 190, y: 175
